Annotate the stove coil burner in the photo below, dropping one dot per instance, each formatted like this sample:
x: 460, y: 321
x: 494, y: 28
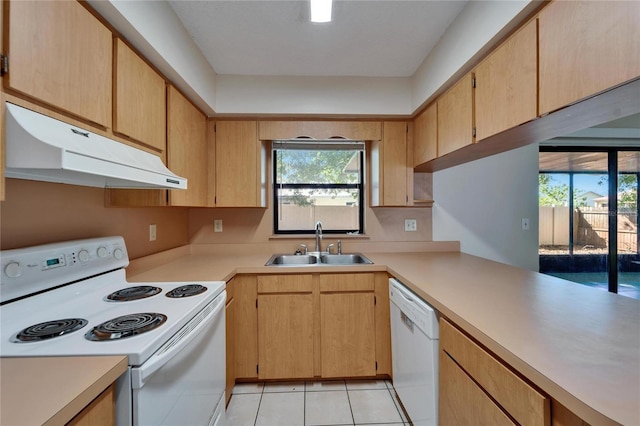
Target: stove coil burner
x: 50, y: 329
x: 133, y: 293
x: 186, y: 291
x: 126, y: 326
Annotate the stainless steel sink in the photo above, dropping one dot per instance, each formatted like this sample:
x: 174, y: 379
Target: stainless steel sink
x: 344, y: 259
x: 292, y: 259
x: 317, y: 259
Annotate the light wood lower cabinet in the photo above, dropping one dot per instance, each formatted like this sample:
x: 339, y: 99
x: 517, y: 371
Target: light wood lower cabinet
x: 245, y: 327
x: 301, y: 326
x: 101, y: 411
x: 285, y: 327
x: 474, y: 383
x: 347, y: 325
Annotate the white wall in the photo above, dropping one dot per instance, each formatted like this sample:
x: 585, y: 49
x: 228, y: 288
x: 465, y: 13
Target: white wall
x: 154, y: 29
x: 482, y: 203
x: 313, y: 95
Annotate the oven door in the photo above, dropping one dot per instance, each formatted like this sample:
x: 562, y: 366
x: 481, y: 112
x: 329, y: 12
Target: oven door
x: 184, y: 381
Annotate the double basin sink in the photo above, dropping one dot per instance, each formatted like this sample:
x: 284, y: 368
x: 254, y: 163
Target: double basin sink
x: 316, y: 259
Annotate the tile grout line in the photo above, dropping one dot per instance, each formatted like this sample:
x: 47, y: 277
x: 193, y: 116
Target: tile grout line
x: 255, y: 422
x: 349, y: 400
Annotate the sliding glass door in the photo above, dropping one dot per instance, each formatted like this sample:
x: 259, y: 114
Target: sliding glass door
x: 589, y: 217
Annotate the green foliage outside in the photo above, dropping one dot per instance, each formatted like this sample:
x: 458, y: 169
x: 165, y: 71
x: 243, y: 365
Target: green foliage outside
x: 315, y: 167
x: 551, y: 192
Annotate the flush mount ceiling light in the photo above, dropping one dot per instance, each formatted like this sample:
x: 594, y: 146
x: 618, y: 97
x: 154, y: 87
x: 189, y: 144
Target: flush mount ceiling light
x: 321, y: 10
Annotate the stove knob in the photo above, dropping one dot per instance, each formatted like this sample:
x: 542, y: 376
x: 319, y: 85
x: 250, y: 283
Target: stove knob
x: 118, y: 253
x: 13, y: 270
x: 83, y: 255
x: 102, y: 252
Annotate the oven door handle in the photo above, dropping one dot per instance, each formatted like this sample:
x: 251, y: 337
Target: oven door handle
x: 178, y: 342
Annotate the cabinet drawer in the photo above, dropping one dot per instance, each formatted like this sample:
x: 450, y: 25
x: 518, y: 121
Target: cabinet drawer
x: 462, y: 402
x: 285, y: 284
x: 523, y: 402
x: 346, y: 282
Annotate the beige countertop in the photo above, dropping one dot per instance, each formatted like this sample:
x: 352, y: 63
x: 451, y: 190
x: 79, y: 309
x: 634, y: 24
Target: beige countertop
x: 580, y: 345
x: 51, y: 391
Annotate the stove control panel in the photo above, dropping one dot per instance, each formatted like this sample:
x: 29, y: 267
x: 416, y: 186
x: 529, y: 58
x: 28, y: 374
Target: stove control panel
x: 32, y: 269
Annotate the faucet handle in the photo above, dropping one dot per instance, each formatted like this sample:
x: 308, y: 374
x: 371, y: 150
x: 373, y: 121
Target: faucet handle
x: 306, y: 250
x: 339, y: 247
x: 329, y: 248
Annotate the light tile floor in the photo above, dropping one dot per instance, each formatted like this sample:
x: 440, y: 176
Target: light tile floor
x: 358, y: 402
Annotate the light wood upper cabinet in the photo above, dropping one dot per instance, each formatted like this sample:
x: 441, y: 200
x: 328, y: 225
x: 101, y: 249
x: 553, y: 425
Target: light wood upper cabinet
x: 586, y: 47
x: 356, y: 130
x: 61, y: 55
x: 455, y: 117
x: 139, y: 99
x: 425, y: 126
x: 506, y: 84
x: 389, y: 171
x: 187, y: 150
x: 285, y: 326
x: 239, y: 165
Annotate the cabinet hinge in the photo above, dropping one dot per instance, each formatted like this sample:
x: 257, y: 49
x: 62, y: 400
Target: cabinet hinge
x: 473, y: 132
x: 473, y: 82
x: 4, y: 64
x: 256, y: 303
x: 257, y: 368
x: 375, y: 300
x: 376, y: 365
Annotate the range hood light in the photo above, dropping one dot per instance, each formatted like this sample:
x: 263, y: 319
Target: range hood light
x: 320, y: 11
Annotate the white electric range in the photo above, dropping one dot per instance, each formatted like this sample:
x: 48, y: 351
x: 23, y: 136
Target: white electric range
x: 73, y: 299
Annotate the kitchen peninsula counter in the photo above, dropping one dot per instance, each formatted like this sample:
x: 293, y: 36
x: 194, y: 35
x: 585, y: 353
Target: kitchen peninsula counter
x: 580, y: 345
x: 53, y: 390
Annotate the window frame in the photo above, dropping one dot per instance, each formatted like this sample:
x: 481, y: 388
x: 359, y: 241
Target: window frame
x: 359, y: 186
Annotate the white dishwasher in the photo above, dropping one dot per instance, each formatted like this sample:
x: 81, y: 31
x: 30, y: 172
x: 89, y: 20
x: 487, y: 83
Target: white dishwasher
x: 414, y: 345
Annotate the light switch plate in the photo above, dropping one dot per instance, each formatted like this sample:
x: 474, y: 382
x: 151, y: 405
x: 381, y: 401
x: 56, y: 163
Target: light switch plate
x: 410, y: 225
x: 217, y: 225
x: 525, y: 223
x: 152, y: 232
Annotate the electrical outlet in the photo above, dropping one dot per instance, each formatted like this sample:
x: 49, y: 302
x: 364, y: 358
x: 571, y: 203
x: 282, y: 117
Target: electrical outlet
x: 217, y: 225
x: 152, y: 232
x: 410, y: 225
x: 525, y: 223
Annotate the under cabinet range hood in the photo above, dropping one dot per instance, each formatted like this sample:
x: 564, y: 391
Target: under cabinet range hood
x: 42, y: 148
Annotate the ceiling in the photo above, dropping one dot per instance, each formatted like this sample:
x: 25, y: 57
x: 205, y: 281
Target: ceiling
x: 383, y: 38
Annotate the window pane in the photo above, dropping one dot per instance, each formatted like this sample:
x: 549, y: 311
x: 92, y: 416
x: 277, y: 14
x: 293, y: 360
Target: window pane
x: 553, y: 193
x: 313, y: 167
x: 591, y: 214
x: 300, y: 209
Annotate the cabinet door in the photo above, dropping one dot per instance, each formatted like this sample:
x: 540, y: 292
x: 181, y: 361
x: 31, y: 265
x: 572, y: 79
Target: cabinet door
x: 426, y: 135
x: 238, y: 164
x: 506, y: 84
x: 347, y: 335
x: 101, y: 411
x: 455, y: 117
x: 245, y: 326
x: 586, y: 47
x: 61, y: 55
x: 285, y: 336
x: 462, y: 402
x: 187, y: 150
x: 140, y: 99
x: 389, y: 166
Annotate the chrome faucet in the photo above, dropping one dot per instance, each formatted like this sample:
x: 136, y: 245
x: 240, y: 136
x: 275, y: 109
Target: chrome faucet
x: 318, y: 235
